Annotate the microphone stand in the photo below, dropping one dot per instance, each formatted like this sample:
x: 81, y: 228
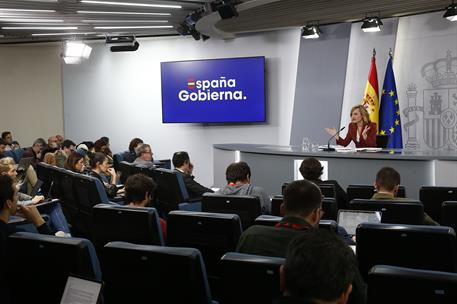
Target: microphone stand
x: 328, y: 149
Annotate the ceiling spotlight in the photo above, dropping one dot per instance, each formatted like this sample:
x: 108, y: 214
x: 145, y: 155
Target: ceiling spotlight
x: 310, y: 31
x: 225, y: 8
x: 451, y: 12
x: 75, y: 52
x: 371, y: 24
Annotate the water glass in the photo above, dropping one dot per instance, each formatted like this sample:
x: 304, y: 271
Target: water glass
x: 315, y: 147
x: 305, y: 145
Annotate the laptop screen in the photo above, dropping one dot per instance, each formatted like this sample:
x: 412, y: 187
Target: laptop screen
x: 81, y: 291
x: 350, y: 219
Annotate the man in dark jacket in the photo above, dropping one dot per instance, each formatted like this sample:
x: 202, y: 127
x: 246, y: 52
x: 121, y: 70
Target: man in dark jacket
x: 183, y: 166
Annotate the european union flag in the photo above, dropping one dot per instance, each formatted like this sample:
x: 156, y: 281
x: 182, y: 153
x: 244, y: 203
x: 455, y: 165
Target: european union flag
x: 389, y: 112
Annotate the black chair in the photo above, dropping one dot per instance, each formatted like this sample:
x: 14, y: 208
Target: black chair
x: 409, y: 212
x: 328, y: 190
x: 89, y: 192
x: 267, y: 220
x: 433, y: 198
x: 171, y: 190
x: 42, y: 263
x: 276, y: 202
x: 154, y: 274
x: 367, y: 191
x: 246, y: 207
x: 68, y: 199
x: 422, y: 247
x: 126, y: 169
x: 271, y: 220
x: 390, y: 284
x: 250, y: 278
x: 127, y: 224
x: 449, y: 214
x: 213, y: 234
x: 330, y: 208
x: 43, y: 172
x: 329, y: 225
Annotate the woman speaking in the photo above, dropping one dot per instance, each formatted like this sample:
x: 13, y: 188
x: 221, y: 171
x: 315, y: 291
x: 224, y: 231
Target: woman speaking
x: 361, y: 130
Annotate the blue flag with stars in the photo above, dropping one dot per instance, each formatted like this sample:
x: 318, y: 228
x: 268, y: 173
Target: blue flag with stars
x: 389, y: 112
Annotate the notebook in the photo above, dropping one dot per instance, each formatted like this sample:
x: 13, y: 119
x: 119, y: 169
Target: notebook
x: 350, y: 219
x: 80, y: 290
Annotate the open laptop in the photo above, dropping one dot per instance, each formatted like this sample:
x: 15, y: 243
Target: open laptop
x: 79, y: 290
x: 350, y: 219
x: 36, y: 188
x: 24, y: 163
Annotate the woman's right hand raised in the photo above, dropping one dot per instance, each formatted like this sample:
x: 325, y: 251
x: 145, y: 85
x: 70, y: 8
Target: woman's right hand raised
x: 332, y: 132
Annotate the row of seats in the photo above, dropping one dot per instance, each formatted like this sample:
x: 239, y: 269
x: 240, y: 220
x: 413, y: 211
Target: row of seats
x: 145, y: 273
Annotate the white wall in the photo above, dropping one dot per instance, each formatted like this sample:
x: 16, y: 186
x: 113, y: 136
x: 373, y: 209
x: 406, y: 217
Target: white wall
x: 31, y: 91
x: 119, y: 95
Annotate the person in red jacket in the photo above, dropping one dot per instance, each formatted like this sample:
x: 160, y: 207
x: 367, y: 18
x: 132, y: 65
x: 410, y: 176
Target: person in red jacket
x: 360, y: 130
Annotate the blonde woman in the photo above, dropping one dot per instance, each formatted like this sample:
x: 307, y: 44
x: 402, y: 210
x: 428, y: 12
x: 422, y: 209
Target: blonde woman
x: 360, y: 130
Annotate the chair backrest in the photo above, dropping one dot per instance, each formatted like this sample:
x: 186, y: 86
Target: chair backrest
x: 44, y: 174
x: 393, y: 211
x: 18, y: 153
x: 433, y: 198
x: 449, y: 214
x: 126, y: 170
x: 390, y: 284
x: 126, y: 224
x: 117, y: 159
x: 43, y: 263
x: 247, y: 207
x: 328, y: 190
x: 271, y: 220
x: 171, y: 190
x: 68, y: 197
x: 154, y: 274
x: 367, y: 191
x: 422, y: 247
x: 250, y: 278
x: 267, y: 220
x: 276, y: 202
x: 163, y: 163
x: 328, y: 225
x: 329, y: 206
x: 213, y: 234
x: 89, y: 192
x: 283, y: 187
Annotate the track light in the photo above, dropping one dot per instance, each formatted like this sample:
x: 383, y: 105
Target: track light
x: 451, y: 12
x: 75, y: 52
x: 187, y: 27
x: 126, y: 43
x: 310, y: 31
x: 371, y: 24
x: 225, y: 8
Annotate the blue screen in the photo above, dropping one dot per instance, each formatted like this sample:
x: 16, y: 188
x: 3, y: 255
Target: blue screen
x: 215, y: 90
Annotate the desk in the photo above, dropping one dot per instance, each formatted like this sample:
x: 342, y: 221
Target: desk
x: 272, y: 165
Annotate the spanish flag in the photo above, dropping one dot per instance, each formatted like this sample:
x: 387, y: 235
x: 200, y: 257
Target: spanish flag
x: 371, y: 97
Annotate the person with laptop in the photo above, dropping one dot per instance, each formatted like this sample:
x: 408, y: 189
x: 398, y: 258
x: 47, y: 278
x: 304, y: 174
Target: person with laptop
x: 302, y: 209
x: 319, y: 268
x: 387, y: 183
x: 238, y: 176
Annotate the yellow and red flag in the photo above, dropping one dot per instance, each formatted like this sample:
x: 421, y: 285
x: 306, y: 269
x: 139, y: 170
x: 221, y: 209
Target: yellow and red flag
x: 371, y: 97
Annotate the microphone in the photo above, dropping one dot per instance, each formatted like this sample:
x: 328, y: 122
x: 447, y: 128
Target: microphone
x: 328, y: 149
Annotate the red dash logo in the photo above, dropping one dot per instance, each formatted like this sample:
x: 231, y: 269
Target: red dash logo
x: 191, y: 84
